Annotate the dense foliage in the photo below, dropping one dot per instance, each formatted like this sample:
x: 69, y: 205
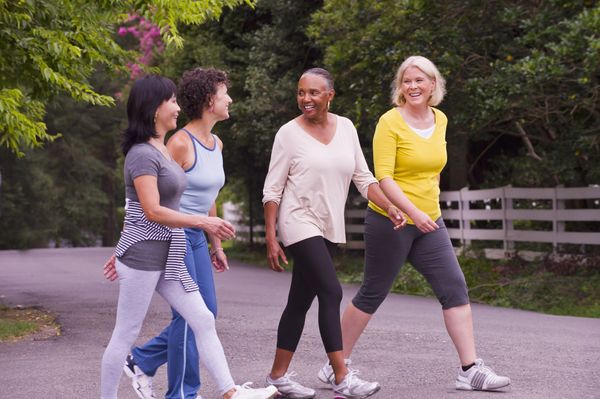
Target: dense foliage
x: 53, y: 46
x: 59, y: 62
x: 523, y: 80
x: 523, y: 91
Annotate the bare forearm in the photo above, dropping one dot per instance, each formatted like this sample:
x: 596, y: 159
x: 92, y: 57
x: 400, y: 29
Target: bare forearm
x: 171, y: 218
x: 377, y: 196
x: 215, y: 242
x: 270, y: 209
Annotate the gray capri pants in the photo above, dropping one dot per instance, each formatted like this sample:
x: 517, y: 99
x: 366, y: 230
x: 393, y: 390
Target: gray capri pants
x: 386, y: 251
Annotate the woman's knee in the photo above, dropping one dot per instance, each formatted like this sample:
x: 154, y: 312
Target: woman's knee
x: 368, y: 303
x: 332, y: 295
x: 201, y: 322
x: 453, y: 292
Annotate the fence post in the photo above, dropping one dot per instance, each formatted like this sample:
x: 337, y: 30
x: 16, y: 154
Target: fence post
x: 557, y: 226
x: 507, y: 224
x: 465, y: 224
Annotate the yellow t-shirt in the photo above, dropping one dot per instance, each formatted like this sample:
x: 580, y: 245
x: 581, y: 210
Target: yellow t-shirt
x: 412, y: 161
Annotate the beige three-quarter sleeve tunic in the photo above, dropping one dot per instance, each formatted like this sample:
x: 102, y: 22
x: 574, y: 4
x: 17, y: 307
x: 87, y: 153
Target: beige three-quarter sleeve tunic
x: 310, y: 181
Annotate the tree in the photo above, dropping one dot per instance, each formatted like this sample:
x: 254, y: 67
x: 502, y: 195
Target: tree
x: 53, y: 46
x: 523, y: 80
x: 264, y: 50
x: 56, y: 58
x: 66, y: 192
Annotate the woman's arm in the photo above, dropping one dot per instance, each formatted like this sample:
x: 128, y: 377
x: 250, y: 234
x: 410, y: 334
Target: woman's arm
x: 274, y: 251
x: 376, y: 195
x: 146, y: 187
x: 398, y: 198
x: 217, y: 254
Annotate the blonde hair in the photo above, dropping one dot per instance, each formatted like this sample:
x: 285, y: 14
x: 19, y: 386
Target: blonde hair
x: 429, y: 69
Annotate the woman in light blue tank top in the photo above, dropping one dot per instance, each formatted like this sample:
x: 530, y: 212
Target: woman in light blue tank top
x: 202, y: 95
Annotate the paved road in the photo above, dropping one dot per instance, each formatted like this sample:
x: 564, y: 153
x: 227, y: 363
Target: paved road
x: 405, y: 347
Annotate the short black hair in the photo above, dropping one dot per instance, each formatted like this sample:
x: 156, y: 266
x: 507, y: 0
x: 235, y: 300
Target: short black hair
x: 147, y: 94
x: 196, y: 88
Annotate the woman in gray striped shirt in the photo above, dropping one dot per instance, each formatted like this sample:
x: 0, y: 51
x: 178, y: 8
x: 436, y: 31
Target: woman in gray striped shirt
x: 152, y: 245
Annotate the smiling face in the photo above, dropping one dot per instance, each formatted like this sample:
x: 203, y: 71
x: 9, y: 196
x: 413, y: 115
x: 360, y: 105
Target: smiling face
x: 313, y: 96
x: 220, y: 103
x: 166, y: 115
x: 416, y: 87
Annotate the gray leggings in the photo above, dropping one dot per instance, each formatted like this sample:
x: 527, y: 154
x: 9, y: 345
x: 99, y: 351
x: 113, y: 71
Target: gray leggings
x: 386, y: 251
x: 136, y: 288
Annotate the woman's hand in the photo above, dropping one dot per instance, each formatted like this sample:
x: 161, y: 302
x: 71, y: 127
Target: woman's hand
x: 423, y: 222
x: 219, y: 260
x: 274, y: 252
x: 396, y: 216
x: 110, y: 271
x: 218, y: 227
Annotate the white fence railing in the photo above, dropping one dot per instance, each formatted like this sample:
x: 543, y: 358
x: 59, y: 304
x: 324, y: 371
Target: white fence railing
x: 505, y: 215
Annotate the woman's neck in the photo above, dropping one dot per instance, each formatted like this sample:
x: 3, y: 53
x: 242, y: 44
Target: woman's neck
x: 416, y: 113
x: 319, y: 122
x: 201, y: 128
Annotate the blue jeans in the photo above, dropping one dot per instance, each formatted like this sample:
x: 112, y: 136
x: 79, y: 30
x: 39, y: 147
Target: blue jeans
x: 175, y: 345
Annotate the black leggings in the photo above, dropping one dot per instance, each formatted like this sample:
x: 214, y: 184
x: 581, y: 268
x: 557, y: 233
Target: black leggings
x: 313, y: 275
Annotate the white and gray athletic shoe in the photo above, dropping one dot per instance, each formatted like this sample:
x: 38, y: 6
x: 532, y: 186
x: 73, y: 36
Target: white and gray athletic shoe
x: 245, y: 392
x: 142, y: 383
x: 480, y: 378
x: 289, y: 388
x: 352, y: 387
x: 326, y: 373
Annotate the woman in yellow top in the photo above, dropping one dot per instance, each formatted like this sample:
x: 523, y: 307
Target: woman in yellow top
x: 409, y: 150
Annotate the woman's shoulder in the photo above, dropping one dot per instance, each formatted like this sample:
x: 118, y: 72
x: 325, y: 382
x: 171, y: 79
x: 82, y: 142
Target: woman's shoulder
x: 439, y: 115
x: 288, y: 130
x: 345, y: 121
x: 391, y: 114
x: 139, y: 149
x: 143, y: 153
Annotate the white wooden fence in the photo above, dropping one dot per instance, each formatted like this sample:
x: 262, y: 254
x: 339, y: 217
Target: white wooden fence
x: 502, y: 216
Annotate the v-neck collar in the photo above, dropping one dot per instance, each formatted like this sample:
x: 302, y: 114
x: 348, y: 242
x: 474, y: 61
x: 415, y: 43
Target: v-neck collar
x: 335, y: 133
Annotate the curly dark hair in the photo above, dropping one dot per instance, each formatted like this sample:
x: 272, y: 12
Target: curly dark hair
x: 196, y: 88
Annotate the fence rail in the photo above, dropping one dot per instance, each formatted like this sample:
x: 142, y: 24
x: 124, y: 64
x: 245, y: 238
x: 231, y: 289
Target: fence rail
x: 505, y: 215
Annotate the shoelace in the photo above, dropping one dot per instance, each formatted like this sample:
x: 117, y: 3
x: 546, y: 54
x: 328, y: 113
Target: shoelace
x: 490, y: 375
x: 246, y: 385
x: 482, y: 367
x: 352, y: 378
x: 288, y: 378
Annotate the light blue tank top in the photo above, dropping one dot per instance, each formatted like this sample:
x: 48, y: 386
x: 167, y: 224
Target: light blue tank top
x: 204, y: 179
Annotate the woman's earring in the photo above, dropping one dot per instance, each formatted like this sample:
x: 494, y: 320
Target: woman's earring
x: 155, y: 117
x: 328, y: 104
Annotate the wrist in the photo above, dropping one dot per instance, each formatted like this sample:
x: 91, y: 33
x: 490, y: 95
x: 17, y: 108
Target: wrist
x: 213, y: 251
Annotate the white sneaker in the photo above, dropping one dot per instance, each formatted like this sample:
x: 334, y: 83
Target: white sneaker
x: 480, y: 378
x: 245, y: 392
x: 289, y: 388
x: 142, y: 384
x: 353, y: 387
x: 326, y: 373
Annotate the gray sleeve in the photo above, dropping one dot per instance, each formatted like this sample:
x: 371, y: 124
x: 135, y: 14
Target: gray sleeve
x: 142, y: 161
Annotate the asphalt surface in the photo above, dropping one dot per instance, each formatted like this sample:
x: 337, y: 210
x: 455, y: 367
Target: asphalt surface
x: 405, y: 347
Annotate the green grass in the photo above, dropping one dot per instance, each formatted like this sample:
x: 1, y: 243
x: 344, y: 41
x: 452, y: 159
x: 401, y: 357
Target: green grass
x: 14, y: 328
x: 12, y: 325
x: 567, y: 287
x: 20, y: 322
